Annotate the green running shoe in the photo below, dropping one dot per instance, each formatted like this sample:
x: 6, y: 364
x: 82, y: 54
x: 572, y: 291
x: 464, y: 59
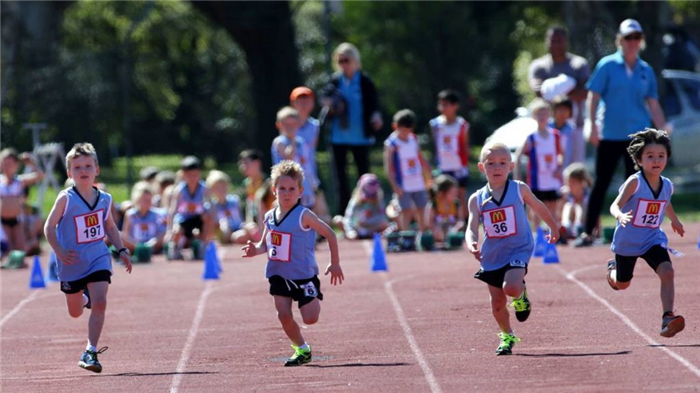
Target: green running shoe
x: 522, y: 306
x: 507, y: 343
x: 89, y: 360
x: 301, y: 356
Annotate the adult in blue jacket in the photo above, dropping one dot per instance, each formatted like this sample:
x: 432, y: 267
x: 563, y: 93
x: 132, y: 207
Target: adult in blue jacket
x: 626, y: 86
x: 352, y: 130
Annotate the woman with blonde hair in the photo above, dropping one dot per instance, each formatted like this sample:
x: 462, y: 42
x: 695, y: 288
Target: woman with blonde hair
x: 355, y: 117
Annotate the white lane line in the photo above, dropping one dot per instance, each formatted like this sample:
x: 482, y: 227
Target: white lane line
x: 185, y: 355
x: 572, y: 277
x: 18, y: 307
x: 417, y: 354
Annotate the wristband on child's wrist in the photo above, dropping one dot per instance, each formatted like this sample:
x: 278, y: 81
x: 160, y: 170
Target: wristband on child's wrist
x: 122, y: 250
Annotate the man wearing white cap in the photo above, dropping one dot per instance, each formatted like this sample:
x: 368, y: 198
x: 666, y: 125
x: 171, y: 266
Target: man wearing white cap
x: 626, y: 85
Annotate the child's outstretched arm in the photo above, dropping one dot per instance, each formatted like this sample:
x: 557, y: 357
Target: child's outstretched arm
x: 67, y: 257
x: 628, y: 189
x: 472, y: 233
x: 310, y: 220
x: 112, y: 233
x: 675, y: 222
x: 252, y: 249
x: 541, y: 210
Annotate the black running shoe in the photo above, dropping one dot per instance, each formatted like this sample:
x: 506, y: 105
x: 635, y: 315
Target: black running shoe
x: 301, y: 356
x: 671, y: 325
x: 89, y: 360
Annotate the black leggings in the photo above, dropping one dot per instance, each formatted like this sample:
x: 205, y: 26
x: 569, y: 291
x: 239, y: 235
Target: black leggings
x: 361, y: 156
x: 607, y: 157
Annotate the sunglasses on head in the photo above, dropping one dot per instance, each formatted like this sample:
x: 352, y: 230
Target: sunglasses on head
x: 343, y: 60
x: 633, y: 37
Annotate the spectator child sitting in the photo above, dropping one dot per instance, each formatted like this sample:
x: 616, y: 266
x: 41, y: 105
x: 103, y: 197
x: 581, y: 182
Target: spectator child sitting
x: 187, y: 218
x: 364, y: 215
x: 226, y: 212
x: 444, y: 212
x: 143, y: 223
x: 575, y: 193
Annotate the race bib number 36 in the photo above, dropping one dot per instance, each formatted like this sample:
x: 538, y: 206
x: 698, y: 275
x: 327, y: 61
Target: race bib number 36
x: 90, y: 227
x: 499, y: 222
x: 648, y: 213
x: 279, y: 246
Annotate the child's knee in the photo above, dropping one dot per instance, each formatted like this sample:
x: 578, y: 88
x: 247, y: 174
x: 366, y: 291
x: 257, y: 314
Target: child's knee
x: 665, y: 272
x: 285, y: 316
x: 310, y: 319
x: 75, y: 313
x: 98, y: 304
x: 513, y: 289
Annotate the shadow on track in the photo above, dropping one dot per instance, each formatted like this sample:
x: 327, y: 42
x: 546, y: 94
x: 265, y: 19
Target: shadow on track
x: 358, y: 365
x: 156, y: 374
x: 571, y: 355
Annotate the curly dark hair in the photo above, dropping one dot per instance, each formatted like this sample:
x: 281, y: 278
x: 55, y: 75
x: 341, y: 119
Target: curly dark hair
x: 649, y: 136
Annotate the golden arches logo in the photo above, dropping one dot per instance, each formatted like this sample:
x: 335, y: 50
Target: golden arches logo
x: 92, y: 220
x: 276, y: 239
x: 498, y: 216
x: 653, y: 208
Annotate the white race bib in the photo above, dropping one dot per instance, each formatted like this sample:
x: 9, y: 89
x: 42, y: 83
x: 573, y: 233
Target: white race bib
x: 309, y: 289
x: 499, y: 222
x: 448, y: 148
x: 144, y: 231
x: 185, y: 207
x: 648, y: 213
x: 279, y: 246
x: 90, y: 227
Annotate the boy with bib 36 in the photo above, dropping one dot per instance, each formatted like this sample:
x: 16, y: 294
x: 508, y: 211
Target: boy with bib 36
x: 76, y: 227
x: 639, y: 209
x: 508, y: 244
x: 289, y: 235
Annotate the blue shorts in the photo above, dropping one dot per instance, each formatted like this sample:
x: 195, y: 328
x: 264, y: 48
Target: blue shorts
x: 409, y: 200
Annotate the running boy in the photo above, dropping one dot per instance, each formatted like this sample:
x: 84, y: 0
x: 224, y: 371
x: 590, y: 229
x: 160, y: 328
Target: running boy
x: 639, y: 210
x: 508, y: 244
x: 75, y: 229
x: 289, y: 146
x: 289, y: 236
x: 407, y: 169
x: 451, y: 136
x: 188, y: 209
x: 544, y: 169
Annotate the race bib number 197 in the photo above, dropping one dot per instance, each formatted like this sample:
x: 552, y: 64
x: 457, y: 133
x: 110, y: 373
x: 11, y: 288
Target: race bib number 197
x: 90, y: 227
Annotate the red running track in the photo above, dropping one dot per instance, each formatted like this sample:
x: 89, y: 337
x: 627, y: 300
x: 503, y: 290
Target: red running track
x: 424, y: 326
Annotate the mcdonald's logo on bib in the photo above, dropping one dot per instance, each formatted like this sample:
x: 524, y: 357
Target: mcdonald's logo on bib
x: 498, y: 216
x: 653, y: 208
x: 276, y: 239
x: 91, y: 220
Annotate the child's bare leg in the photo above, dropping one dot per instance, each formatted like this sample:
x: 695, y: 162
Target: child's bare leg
x: 513, y: 282
x: 665, y: 272
x: 420, y: 217
x: 498, y: 307
x: 311, y: 311
x: 284, y: 313
x: 98, y: 300
x: 404, y: 219
x: 74, y: 301
x: 463, y: 203
x: 16, y: 237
